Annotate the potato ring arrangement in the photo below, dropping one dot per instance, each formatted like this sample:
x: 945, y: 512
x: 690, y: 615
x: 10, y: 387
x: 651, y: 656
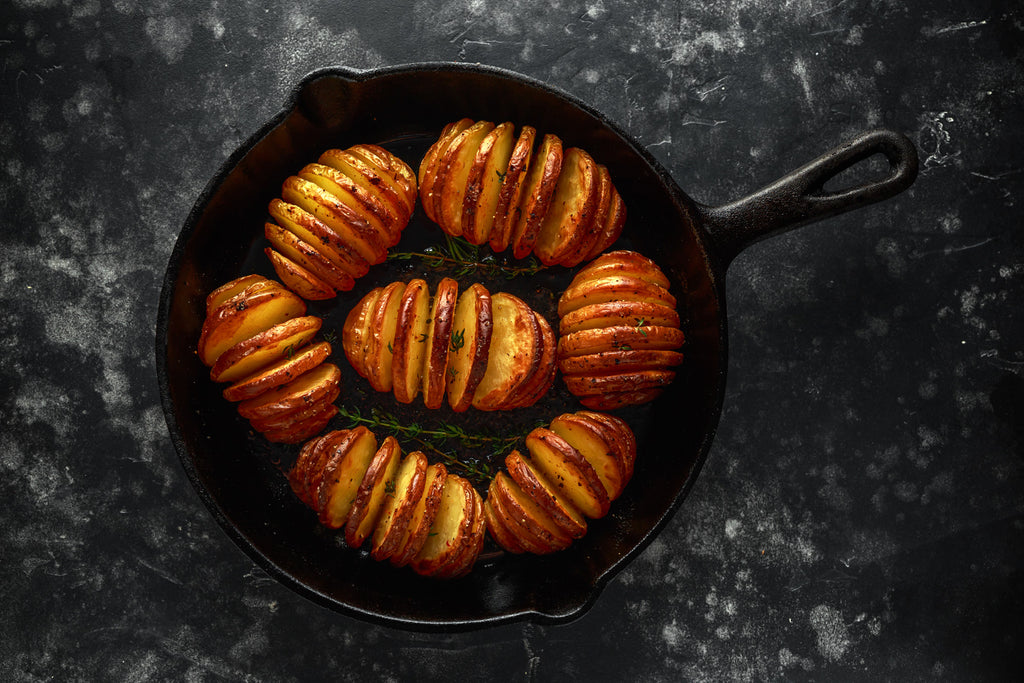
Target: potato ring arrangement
x: 617, y: 343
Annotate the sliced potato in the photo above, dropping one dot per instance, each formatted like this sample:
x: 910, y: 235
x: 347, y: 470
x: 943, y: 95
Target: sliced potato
x: 614, y: 222
x: 305, y: 389
x: 229, y: 289
x: 615, y: 382
x: 568, y: 471
x: 627, y: 439
x: 619, y: 361
x: 529, y: 515
x: 618, y: 313
x: 291, y: 246
x: 378, y: 480
x: 450, y: 529
x: 624, y: 263
x: 573, y: 208
x: 506, y: 211
x: 499, y: 532
x: 264, y: 348
x: 394, y: 171
x: 298, y: 279
x: 539, y: 187
x: 286, y: 419
x: 597, y: 444
x: 422, y: 518
x: 469, y: 346
x: 283, y: 371
x: 300, y: 431
x: 514, y: 354
x: 556, y: 506
x: 619, y: 338
x: 603, y: 289
x: 243, y: 316
x: 439, y: 331
x: 453, y: 172
x: 371, y: 178
x: 366, y: 205
x: 343, y: 474
x: 462, y: 562
x: 431, y: 164
x: 483, y: 186
x: 330, y: 244
x: 399, y: 505
x: 410, y: 341
x: 380, y: 343
x: 592, y: 233
x: 525, y: 536
x: 355, y: 334
x: 352, y: 226
x: 537, y: 384
x: 620, y: 399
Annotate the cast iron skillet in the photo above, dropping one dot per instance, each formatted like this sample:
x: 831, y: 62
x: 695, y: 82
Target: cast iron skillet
x: 239, y: 476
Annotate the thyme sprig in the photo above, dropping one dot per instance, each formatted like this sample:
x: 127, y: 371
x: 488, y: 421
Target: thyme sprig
x: 441, y: 440
x: 465, y: 258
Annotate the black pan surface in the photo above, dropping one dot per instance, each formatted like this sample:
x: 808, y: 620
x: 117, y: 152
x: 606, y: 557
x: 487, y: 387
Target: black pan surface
x: 240, y: 477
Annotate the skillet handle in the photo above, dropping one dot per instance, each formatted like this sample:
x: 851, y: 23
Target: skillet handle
x: 800, y: 197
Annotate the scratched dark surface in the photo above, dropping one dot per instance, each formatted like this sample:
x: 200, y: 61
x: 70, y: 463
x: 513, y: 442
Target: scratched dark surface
x: 860, y: 514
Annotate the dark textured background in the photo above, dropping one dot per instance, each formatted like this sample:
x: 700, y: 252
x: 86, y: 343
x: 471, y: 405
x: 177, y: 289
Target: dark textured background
x: 860, y: 515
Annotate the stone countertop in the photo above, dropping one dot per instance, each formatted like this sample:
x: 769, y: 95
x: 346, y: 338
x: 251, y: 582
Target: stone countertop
x: 860, y: 513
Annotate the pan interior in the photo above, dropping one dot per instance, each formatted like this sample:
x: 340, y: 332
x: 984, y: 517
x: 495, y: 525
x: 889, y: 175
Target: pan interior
x: 240, y: 476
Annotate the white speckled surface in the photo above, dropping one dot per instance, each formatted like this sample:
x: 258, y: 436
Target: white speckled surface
x: 860, y: 515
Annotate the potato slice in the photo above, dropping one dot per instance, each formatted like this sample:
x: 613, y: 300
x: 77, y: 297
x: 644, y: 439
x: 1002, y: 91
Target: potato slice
x: 366, y: 205
x: 621, y: 399
x: 483, y: 185
x: 305, y: 389
x: 431, y: 164
x: 462, y: 561
x: 619, y: 338
x: 439, y: 331
x: 594, y: 441
x: 584, y: 292
x: 380, y: 343
x: 245, y: 315
x: 623, y: 263
x: 291, y: 246
x: 571, y: 474
x: 538, y: 188
x: 393, y: 171
x: 453, y: 171
x: 627, y: 440
x: 350, y: 224
x: 526, y: 536
x: 333, y: 246
x: 399, y: 505
x: 310, y: 471
x: 619, y: 361
x: 283, y: 371
x: 260, y: 350
x: 616, y: 382
x: 613, y: 224
x: 451, y: 528
x: 538, y: 384
x: 218, y: 296
x: 291, y: 418
x: 573, y: 209
x: 298, y: 471
x: 514, y: 353
x: 378, y: 481
x: 469, y: 346
x: 529, y: 515
x: 499, y: 532
x: 300, y: 431
x: 556, y: 506
x: 422, y: 518
x: 506, y: 211
x: 617, y: 313
x: 342, y: 476
x: 355, y: 333
x: 298, y: 279
x: 594, y: 229
x: 372, y: 179
x: 410, y: 341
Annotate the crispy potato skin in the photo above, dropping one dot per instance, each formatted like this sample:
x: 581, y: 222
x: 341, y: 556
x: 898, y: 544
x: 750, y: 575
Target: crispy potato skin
x: 526, y: 192
x: 620, y: 332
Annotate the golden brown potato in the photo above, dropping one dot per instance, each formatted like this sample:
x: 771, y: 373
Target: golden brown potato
x: 599, y: 445
x: 513, y: 181
x: 514, y: 354
x: 381, y: 337
x: 431, y: 164
x: 568, y: 471
x: 298, y: 279
x: 422, y: 518
x: 355, y: 334
x: 484, y: 183
x: 622, y: 312
x: 573, y: 209
x: 251, y: 311
x: 453, y: 173
x: 546, y: 496
x: 342, y: 476
x: 399, y: 505
x: 439, y: 334
x: 218, y: 296
x: 300, y: 431
x: 410, y: 342
x: 334, y: 246
x: 295, y: 249
x: 470, y: 346
x: 451, y: 529
x: 538, y: 188
x: 264, y: 348
x: 303, y: 390
x: 378, y: 481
